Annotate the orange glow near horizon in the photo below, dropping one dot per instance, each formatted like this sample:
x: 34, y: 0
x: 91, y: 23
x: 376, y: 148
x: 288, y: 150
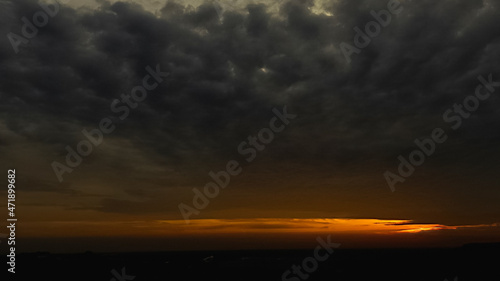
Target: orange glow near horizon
x: 171, y: 228
x: 313, y: 225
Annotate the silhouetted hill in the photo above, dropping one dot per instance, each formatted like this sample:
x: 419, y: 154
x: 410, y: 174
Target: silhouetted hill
x: 471, y: 262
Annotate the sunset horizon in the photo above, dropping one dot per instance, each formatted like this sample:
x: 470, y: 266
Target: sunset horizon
x: 248, y: 140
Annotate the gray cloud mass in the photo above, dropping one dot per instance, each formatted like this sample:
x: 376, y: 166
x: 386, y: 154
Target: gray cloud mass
x: 227, y: 74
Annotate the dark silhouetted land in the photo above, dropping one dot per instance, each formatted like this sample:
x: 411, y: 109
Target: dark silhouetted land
x: 471, y: 262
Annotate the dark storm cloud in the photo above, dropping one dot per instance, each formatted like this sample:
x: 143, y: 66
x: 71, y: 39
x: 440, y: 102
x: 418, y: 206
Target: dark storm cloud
x: 227, y: 75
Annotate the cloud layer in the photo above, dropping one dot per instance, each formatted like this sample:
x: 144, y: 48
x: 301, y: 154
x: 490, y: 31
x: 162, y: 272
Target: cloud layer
x: 226, y: 75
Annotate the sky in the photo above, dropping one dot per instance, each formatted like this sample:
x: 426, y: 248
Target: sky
x: 220, y: 73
